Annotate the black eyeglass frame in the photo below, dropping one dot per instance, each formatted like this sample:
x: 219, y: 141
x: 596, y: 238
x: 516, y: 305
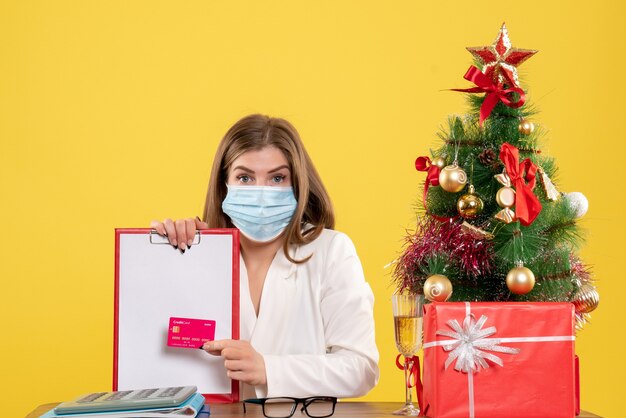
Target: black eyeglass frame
x: 304, y: 401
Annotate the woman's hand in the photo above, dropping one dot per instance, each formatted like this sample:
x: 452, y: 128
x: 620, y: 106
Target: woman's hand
x: 242, y: 362
x: 180, y: 232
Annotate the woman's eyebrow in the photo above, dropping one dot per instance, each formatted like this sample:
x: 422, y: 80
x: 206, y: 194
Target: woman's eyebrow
x: 241, y: 167
x: 279, y: 168
x: 248, y: 170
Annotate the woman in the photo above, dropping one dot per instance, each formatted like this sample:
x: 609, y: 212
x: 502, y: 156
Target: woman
x: 306, y: 316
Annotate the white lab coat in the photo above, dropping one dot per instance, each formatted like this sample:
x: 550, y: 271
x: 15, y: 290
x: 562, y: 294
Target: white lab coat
x: 315, y: 327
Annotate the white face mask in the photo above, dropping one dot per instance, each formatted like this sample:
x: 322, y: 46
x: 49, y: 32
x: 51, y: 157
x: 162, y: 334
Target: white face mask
x: 261, y: 213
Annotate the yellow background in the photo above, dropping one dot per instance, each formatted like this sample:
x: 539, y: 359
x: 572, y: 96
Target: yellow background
x: 110, y: 112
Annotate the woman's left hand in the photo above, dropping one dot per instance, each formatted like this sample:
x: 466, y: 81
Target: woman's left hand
x: 242, y: 362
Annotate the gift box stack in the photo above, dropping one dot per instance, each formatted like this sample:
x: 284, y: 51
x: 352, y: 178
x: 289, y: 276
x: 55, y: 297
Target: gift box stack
x: 495, y: 253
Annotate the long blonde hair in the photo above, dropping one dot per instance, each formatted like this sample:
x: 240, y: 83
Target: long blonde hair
x: 255, y: 132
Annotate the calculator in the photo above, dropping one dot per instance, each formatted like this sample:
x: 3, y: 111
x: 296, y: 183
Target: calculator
x: 127, y: 400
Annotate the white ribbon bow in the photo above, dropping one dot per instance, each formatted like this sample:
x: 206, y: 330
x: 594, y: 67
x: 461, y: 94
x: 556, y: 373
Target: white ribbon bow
x: 469, y: 345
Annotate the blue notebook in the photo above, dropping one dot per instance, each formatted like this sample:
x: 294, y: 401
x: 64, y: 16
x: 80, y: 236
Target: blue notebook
x: 204, y: 412
x: 192, y: 407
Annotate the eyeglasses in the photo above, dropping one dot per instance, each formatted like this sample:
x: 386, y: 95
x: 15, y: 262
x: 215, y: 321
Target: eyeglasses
x: 315, y: 406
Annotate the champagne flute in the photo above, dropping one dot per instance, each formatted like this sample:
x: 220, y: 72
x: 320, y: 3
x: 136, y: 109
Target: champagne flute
x: 407, y: 318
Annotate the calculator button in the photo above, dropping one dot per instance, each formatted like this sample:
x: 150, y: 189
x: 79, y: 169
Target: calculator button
x: 92, y: 397
x: 143, y: 394
x: 170, y: 392
x: 116, y: 396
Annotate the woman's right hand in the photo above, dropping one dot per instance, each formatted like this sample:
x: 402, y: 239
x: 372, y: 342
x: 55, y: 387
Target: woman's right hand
x: 180, y: 232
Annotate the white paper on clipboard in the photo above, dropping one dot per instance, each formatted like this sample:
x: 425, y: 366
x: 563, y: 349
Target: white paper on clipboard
x: 153, y: 282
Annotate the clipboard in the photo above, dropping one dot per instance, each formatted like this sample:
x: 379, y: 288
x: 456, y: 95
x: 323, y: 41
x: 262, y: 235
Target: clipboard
x: 153, y: 282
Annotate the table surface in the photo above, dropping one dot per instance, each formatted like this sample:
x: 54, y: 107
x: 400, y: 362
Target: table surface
x: 343, y: 409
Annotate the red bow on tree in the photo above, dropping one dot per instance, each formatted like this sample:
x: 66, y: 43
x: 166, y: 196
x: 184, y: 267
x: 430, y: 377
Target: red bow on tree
x: 495, y: 92
x: 522, y: 176
x: 424, y: 164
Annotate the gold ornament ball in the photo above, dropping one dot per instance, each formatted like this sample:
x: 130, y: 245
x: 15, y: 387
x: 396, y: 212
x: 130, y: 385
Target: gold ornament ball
x: 469, y: 205
x: 586, y: 299
x: 520, y: 280
x: 452, y: 178
x: 437, y: 288
x: 526, y: 127
x: 505, y: 197
x: 439, y: 162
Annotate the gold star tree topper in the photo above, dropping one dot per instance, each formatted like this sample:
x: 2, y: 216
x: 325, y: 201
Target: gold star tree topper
x: 500, y: 60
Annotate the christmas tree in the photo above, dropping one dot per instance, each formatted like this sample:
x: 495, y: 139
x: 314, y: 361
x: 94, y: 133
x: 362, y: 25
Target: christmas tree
x: 495, y: 227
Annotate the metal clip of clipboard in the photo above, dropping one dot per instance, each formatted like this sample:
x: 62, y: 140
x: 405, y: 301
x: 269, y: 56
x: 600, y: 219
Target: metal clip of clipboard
x: 155, y: 238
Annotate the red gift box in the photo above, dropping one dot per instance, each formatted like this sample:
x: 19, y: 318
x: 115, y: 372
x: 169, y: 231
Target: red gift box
x: 503, y: 360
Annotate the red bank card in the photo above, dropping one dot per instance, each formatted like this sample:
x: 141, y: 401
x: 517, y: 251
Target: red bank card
x: 189, y: 332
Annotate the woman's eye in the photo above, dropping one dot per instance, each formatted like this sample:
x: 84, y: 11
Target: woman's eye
x: 244, y: 179
x: 278, y: 179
